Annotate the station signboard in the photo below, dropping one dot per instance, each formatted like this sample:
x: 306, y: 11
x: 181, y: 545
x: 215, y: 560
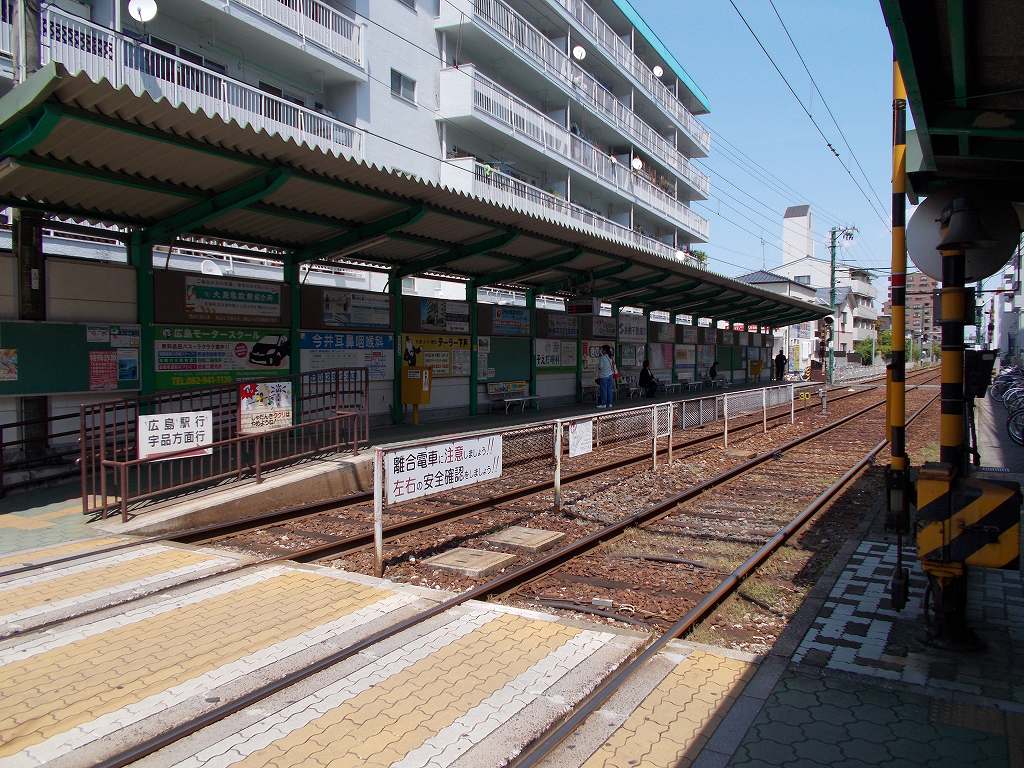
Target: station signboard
x: 423, y: 470
x: 169, y: 433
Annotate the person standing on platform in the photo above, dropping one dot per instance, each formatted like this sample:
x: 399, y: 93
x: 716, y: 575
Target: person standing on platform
x: 713, y: 371
x: 780, y: 366
x: 605, y: 374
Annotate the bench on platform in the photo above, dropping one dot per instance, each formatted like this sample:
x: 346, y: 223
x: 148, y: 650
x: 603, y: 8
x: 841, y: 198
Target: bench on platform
x: 512, y: 393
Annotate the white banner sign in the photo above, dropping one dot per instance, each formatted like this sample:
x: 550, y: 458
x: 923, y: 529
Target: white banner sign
x: 411, y: 473
x: 581, y: 437
x: 632, y: 327
x: 352, y: 309
x: 264, y: 407
x: 165, y: 433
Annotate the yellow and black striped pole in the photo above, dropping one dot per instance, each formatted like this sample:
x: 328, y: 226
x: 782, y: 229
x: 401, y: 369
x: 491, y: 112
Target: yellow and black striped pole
x: 953, y: 305
x: 898, y: 278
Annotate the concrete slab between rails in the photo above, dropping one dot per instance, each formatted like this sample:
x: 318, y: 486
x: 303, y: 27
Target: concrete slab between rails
x: 306, y: 484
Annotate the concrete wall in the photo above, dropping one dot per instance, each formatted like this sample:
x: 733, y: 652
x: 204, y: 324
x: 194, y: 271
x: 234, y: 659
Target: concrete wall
x: 83, y: 291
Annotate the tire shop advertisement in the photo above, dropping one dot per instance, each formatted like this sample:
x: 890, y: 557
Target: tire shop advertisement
x: 321, y: 350
x: 188, y: 356
x: 227, y: 300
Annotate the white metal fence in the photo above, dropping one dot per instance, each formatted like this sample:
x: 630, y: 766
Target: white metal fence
x: 82, y: 46
x: 315, y: 22
x: 417, y: 468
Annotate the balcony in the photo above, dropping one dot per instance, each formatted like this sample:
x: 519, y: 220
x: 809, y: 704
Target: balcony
x: 510, y: 192
x: 526, y: 41
x: 313, y: 22
x: 82, y: 46
x: 865, y: 313
x: 468, y: 95
x: 608, y: 41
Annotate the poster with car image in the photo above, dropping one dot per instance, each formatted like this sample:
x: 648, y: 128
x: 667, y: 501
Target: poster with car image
x: 188, y: 357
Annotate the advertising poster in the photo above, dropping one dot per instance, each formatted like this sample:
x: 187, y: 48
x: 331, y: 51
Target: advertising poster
x: 198, y: 357
x: 660, y: 355
x: 102, y: 369
x: 691, y: 335
x: 231, y: 300
x: 127, y: 364
x: 321, y: 350
x: 264, y: 406
x: 113, y: 335
x: 412, y: 473
x: 632, y: 355
x: 563, y: 326
x: 686, y: 362
x: 581, y: 437
x: 484, y: 370
x: 553, y: 354
x: 511, y: 321
x: 344, y: 309
x: 8, y: 364
x: 705, y: 359
x: 603, y: 326
x: 444, y: 315
x: 664, y: 332
x: 591, y: 353
x: 744, y: 339
x: 446, y: 356
x: 632, y: 327
x: 172, y: 432
x: 728, y: 338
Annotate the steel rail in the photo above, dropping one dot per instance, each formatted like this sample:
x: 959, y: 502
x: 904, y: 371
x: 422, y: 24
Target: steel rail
x: 522, y: 574
x: 542, y: 749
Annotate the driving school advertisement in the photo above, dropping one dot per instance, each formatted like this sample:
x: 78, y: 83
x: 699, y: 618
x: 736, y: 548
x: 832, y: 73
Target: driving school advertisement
x: 188, y: 357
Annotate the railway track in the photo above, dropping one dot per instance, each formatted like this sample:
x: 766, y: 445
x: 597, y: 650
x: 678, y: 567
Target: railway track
x: 866, y: 424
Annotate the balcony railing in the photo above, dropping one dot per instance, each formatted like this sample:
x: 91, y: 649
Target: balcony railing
x: 547, y: 56
x: 6, y: 11
x: 82, y: 46
x: 508, y: 191
x: 606, y: 37
x: 313, y: 21
x: 500, y: 105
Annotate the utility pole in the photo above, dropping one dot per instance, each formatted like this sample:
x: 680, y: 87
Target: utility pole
x: 834, y: 234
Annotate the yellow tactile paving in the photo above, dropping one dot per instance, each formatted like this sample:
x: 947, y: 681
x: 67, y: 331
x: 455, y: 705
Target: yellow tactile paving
x: 57, y: 690
x: 386, y: 722
x: 102, y: 577
x: 22, y: 523
x: 674, y: 721
x: 57, y: 551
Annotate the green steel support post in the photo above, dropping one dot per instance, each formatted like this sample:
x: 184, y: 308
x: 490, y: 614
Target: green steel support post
x: 618, y: 346
x: 140, y: 256
x: 474, y: 359
x: 531, y: 310
x: 579, y: 364
x: 398, y: 308
x: 291, y: 278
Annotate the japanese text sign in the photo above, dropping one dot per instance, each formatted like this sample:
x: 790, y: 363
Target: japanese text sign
x: 410, y: 473
x: 166, y: 433
x: 264, y: 407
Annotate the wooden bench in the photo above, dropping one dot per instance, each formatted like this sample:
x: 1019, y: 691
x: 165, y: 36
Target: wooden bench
x: 695, y: 386
x: 524, y: 399
x: 673, y: 386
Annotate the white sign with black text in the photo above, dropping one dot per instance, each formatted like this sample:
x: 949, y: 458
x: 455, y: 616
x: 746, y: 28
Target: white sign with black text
x: 171, y: 433
x: 581, y: 437
x: 411, y: 473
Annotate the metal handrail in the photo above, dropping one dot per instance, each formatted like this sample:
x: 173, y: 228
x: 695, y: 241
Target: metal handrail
x: 496, y: 102
x: 314, y: 21
x: 82, y: 46
x: 527, y: 39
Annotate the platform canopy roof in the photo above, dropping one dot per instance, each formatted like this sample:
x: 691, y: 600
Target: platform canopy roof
x: 89, y: 151
x: 962, y: 63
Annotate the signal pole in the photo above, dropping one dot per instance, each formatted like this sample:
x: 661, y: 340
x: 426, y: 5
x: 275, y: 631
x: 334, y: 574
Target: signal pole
x: 834, y: 234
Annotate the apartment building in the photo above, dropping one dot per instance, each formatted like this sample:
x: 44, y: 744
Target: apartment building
x: 568, y: 109
x: 920, y: 307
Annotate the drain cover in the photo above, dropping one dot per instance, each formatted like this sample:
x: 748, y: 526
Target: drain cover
x: 469, y: 562
x: 530, y: 539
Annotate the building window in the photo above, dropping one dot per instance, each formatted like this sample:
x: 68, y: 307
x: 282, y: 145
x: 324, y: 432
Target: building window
x: 802, y: 279
x: 403, y: 87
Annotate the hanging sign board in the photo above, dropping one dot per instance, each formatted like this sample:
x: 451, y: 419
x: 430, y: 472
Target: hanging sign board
x: 563, y: 326
x: 511, y: 321
x: 231, y: 301
x: 355, y: 309
x: 166, y: 433
x: 603, y: 327
x: 321, y: 350
x: 632, y: 327
x: 411, y: 473
x: 264, y: 406
x: 444, y: 315
x: 581, y: 437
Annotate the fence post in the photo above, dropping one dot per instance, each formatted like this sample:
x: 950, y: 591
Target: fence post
x: 792, y: 404
x: 824, y: 401
x: 725, y: 411
x: 558, y: 465
x: 103, y: 456
x: 378, y: 513
x: 654, y: 437
x: 671, y: 426
x: 259, y: 455
x: 124, y: 490
x: 764, y: 408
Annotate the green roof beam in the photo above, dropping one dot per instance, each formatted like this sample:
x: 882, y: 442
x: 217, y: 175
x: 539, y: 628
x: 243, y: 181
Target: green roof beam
x: 623, y: 289
x: 239, y: 196
x: 25, y: 134
x: 568, y: 284
x: 662, y: 292
x: 958, y: 56
x: 528, y: 269
x: 455, y: 254
x: 361, y: 234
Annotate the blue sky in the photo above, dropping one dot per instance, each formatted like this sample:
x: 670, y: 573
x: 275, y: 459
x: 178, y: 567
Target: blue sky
x: 846, y: 46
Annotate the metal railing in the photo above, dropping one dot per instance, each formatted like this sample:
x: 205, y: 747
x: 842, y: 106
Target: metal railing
x: 82, y: 46
x: 555, y: 63
x: 492, y: 100
x: 314, y: 21
x: 509, y: 191
x: 607, y: 39
x: 334, y: 413
x: 736, y: 404
x: 6, y: 10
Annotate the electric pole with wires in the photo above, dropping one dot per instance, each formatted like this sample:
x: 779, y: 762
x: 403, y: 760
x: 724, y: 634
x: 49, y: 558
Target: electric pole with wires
x: 834, y: 234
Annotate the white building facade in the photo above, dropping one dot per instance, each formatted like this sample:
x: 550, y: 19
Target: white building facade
x: 568, y: 109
